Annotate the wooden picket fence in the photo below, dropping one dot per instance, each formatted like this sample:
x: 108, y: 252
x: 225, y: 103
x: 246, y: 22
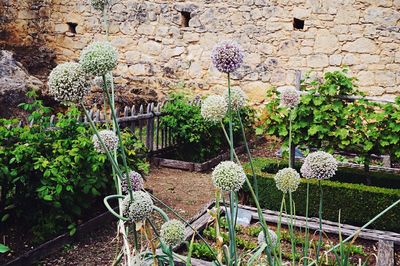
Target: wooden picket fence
x: 143, y: 122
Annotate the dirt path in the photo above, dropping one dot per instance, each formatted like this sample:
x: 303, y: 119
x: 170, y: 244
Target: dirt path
x: 186, y: 192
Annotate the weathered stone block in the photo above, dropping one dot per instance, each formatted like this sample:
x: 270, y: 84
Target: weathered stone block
x: 325, y: 42
x: 361, y: 45
x: 317, y: 61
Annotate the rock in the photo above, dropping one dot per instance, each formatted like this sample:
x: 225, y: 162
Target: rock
x: 382, y: 16
x: 325, y: 42
x: 361, y: 45
x: 347, y: 16
x: 366, y: 78
x: 318, y: 61
x: 385, y: 78
x: 15, y: 81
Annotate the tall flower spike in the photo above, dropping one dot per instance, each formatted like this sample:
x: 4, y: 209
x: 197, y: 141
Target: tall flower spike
x: 290, y: 97
x: 136, y: 182
x: 109, y: 138
x: 228, y: 176
x: 172, y: 232
x: 320, y: 165
x: 227, y: 56
x: 238, y: 98
x: 99, y: 4
x: 287, y: 180
x: 68, y: 82
x: 214, y: 108
x: 99, y: 58
x: 139, y: 208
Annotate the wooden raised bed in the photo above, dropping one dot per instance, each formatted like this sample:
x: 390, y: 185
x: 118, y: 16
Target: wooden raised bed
x: 386, y: 240
x: 200, y: 167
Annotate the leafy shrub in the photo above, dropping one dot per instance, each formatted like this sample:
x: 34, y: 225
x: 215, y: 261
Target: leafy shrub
x: 325, y: 120
x: 344, y: 174
x: 54, y: 171
x: 358, y: 203
x: 198, y: 140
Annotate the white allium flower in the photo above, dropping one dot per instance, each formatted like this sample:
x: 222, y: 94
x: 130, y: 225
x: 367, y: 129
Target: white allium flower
x: 98, y: 58
x: 98, y: 81
x: 214, y: 108
x: 287, y: 180
x: 290, y: 97
x: 137, y: 182
x: 68, y: 82
x: 109, y: 138
x: 272, y: 235
x: 228, y: 176
x: 238, y: 98
x: 320, y: 165
x: 136, y: 260
x: 99, y: 4
x: 172, y: 232
x: 139, y: 208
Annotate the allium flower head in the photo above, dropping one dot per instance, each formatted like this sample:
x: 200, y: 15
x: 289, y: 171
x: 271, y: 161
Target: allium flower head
x: 172, y: 232
x: 98, y: 81
x: 137, y: 261
x: 109, y: 138
x: 68, y: 82
x: 214, y: 108
x: 98, y: 58
x: 320, y: 165
x: 238, y: 98
x: 227, y: 56
x: 272, y: 235
x: 228, y: 176
x: 136, y: 182
x: 139, y: 208
x: 99, y: 4
x: 287, y: 180
x: 290, y: 97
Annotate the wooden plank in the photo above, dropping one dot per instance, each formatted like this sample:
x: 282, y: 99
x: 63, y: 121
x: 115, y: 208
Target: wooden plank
x: 157, y: 125
x: 177, y: 164
x: 141, y: 124
x: 385, y: 253
x: 327, y: 226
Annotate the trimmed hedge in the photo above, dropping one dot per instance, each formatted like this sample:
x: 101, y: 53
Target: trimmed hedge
x: 358, y: 203
x: 344, y: 174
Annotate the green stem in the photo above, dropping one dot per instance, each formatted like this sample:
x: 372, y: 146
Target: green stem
x: 292, y: 239
x: 290, y: 140
x: 255, y: 184
x: 320, y: 219
x: 279, y: 226
x: 306, y: 229
x: 113, y: 163
x: 162, y: 213
x: 259, y: 212
x: 111, y: 209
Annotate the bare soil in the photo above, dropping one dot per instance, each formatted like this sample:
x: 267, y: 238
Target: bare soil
x: 186, y: 192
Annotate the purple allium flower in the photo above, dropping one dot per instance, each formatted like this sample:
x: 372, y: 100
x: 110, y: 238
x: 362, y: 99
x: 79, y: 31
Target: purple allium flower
x: 320, y: 165
x: 137, y: 182
x: 109, y: 139
x: 290, y: 97
x: 227, y: 56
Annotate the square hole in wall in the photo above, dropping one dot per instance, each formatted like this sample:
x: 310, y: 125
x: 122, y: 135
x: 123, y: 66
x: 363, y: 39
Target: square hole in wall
x: 185, y: 18
x: 72, y: 27
x: 298, y: 24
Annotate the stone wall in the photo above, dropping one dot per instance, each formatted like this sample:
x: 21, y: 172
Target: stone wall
x: 166, y: 45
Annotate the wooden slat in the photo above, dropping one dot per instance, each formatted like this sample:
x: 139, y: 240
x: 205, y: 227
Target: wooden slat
x: 385, y: 253
x: 327, y: 226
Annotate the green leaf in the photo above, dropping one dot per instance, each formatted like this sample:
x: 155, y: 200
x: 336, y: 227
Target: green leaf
x: 4, y: 248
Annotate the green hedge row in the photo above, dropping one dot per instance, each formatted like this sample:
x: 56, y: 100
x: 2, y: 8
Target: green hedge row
x: 358, y: 203
x: 344, y: 174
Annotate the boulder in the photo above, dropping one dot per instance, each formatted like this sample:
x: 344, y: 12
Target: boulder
x: 15, y: 81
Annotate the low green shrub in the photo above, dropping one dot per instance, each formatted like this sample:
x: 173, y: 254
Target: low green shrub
x: 344, y: 174
x: 198, y: 140
x: 51, y: 177
x: 358, y: 203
